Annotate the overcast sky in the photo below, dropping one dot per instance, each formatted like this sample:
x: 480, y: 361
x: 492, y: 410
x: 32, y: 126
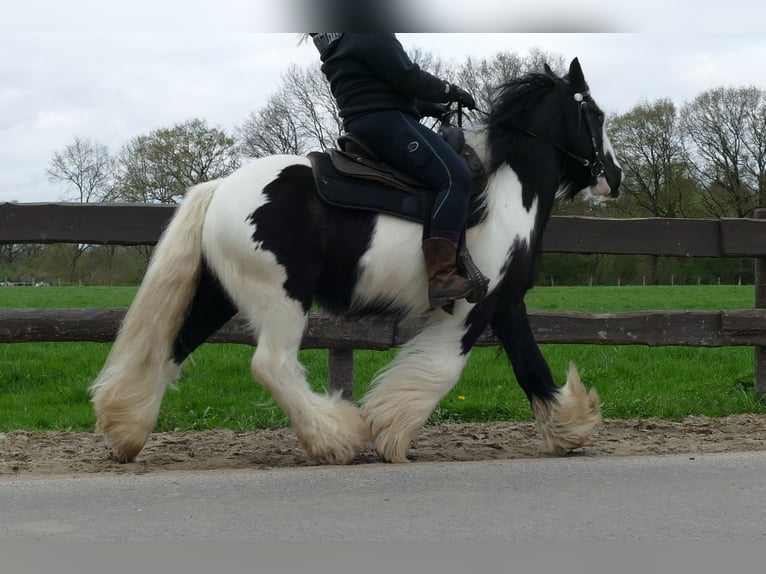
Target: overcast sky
x: 109, y: 71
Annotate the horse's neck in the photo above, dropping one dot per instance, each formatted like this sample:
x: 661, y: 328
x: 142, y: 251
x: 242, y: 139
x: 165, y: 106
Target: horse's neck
x: 498, y: 182
x: 512, y: 223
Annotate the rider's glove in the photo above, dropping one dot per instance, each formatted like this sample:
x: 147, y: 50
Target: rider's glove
x: 430, y: 109
x: 459, y: 95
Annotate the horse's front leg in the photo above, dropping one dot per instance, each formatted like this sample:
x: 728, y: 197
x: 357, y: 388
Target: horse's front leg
x: 565, y: 416
x: 405, y: 393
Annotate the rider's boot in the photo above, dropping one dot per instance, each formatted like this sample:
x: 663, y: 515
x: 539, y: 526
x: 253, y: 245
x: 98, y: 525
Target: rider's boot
x: 445, y: 284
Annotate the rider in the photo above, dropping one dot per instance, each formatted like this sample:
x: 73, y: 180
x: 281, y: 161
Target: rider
x: 381, y: 94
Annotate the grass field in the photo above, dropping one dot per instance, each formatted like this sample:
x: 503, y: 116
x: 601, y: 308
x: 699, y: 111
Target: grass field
x: 44, y: 385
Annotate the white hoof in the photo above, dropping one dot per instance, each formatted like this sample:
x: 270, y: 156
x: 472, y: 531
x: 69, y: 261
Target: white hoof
x: 567, y: 420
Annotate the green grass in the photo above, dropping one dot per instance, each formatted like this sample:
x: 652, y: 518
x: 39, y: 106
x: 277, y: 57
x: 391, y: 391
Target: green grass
x: 44, y: 385
x: 66, y: 297
x: 609, y: 299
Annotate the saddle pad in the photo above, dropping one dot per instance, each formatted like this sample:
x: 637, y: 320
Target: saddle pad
x: 354, y: 193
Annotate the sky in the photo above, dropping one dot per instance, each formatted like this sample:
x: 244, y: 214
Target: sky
x: 109, y: 71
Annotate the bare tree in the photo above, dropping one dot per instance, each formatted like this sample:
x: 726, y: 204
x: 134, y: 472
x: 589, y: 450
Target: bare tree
x: 725, y: 129
x: 309, y: 94
x: 483, y: 77
x: 86, y: 168
x: 299, y: 117
x: 270, y: 131
x: 755, y: 147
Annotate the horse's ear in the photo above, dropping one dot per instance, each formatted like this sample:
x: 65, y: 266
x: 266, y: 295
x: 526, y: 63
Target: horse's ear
x: 576, y: 77
x: 548, y: 71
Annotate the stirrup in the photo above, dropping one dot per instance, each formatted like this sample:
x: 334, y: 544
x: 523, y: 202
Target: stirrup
x: 448, y: 303
x: 478, y: 280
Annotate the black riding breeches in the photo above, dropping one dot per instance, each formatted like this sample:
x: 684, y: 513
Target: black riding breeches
x: 403, y: 142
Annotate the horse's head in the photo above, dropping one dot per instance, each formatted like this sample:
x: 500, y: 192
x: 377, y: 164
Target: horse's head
x: 587, y: 141
x: 545, y: 124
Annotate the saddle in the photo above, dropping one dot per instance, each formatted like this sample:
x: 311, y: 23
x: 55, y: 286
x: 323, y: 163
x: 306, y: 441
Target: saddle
x: 352, y: 176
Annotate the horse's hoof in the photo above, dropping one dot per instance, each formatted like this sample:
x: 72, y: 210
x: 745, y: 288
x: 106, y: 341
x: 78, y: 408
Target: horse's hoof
x: 337, y: 434
x: 391, y: 448
x: 392, y: 458
x: 123, y: 452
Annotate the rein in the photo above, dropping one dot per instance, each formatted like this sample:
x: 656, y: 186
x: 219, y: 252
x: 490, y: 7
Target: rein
x: 596, y: 165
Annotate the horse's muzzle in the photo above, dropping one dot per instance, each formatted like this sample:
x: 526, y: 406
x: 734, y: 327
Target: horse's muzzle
x: 603, y: 189
x: 610, y: 182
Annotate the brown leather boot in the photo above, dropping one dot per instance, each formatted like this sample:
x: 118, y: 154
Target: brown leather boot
x: 444, y: 282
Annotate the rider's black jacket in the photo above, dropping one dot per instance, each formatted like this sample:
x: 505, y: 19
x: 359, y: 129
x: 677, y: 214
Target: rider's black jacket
x: 372, y: 72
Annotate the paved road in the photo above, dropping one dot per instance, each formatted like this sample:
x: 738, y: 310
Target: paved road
x: 713, y: 497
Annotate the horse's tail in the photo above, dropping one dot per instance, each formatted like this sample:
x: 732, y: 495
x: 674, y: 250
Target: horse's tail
x: 128, y: 391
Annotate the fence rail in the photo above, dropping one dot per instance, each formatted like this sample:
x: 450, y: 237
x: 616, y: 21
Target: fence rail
x: 141, y: 224
x: 131, y: 224
x: 746, y: 327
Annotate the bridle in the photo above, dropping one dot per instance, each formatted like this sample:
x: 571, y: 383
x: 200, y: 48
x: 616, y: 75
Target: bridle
x: 596, y: 164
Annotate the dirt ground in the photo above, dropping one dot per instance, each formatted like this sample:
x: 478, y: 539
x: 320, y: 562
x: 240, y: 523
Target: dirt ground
x: 70, y: 453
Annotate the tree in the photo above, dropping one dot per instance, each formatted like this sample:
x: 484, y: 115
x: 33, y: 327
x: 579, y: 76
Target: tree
x: 484, y: 76
x: 160, y: 166
x: 270, y: 131
x: 88, y: 171
x: 727, y: 146
x: 299, y: 117
x: 653, y: 159
x: 86, y: 168
x: 309, y: 92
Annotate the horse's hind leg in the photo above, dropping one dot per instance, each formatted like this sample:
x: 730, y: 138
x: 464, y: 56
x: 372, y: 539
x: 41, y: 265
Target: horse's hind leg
x: 406, y: 392
x: 330, y: 429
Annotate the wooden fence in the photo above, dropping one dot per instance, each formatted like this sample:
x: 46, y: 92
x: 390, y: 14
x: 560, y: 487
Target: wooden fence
x: 130, y: 224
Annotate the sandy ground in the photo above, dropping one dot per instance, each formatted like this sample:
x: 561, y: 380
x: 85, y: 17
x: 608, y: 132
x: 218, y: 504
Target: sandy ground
x: 69, y: 453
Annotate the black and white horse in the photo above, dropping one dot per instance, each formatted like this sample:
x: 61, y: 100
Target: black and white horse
x: 261, y: 242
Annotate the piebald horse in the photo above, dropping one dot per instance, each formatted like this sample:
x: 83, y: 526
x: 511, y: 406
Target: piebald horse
x: 261, y: 242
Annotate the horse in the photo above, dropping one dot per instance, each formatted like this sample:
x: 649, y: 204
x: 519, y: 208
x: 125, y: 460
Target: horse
x: 262, y: 243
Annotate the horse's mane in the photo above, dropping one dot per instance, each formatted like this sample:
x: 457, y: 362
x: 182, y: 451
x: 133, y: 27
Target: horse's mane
x: 513, y: 102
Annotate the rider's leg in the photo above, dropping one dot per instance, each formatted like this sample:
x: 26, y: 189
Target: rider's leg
x: 401, y: 141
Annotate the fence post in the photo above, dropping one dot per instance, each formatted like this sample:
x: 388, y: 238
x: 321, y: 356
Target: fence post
x: 340, y: 372
x: 760, y: 303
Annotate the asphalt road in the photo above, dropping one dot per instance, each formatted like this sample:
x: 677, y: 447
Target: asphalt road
x: 711, y: 497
